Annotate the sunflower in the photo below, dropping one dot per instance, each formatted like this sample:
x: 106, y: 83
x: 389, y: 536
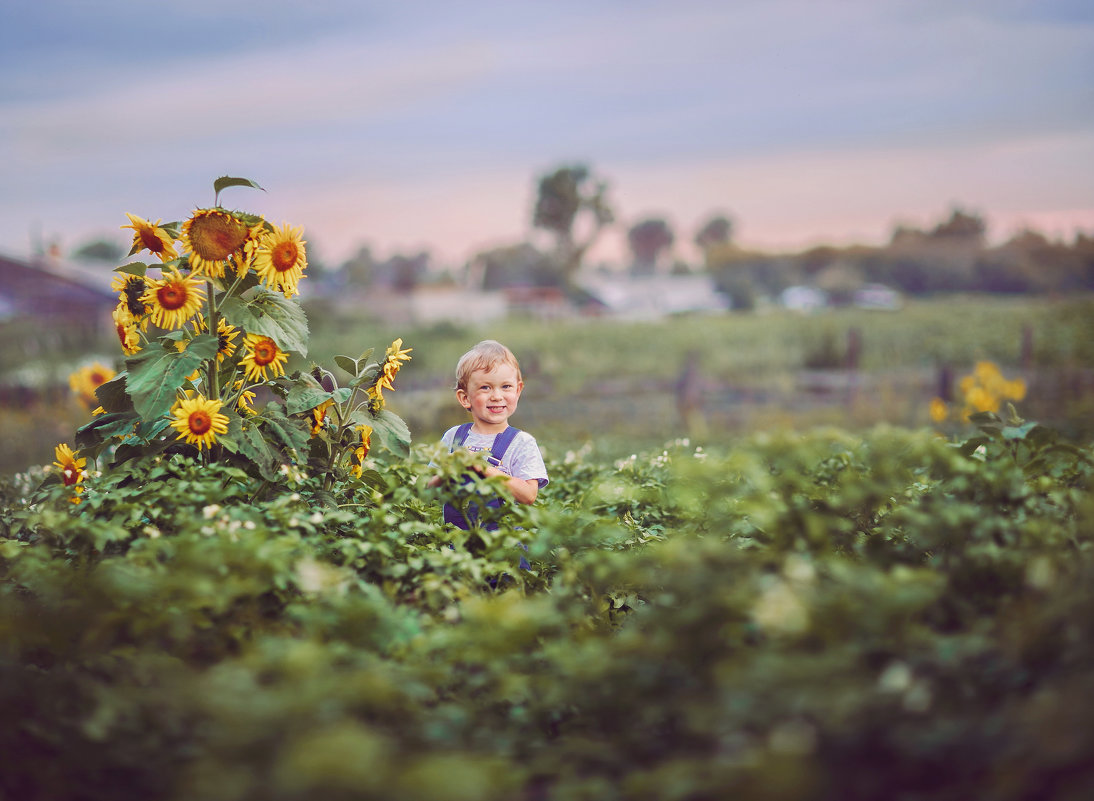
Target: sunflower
x: 131, y: 289
x: 151, y: 237
x: 396, y: 354
x: 241, y: 259
x: 126, y: 329
x: 225, y: 334
x: 212, y: 236
x: 319, y: 416
x: 281, y: 260
x: 198, y: 420
x: 71, y: 469
x: 260, y: 353
x: 361, y: 451
x: 243, y: 405
x: 86, y: 380
x: 174, y: 299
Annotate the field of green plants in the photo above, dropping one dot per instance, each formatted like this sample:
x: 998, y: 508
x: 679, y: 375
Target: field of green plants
x: 234, y: 581
x: 884, y: 615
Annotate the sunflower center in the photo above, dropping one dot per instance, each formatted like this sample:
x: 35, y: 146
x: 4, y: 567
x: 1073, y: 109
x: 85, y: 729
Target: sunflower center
x: 199, y: 422
x: 284, y: 256
x: 151, y: 241
x: 265, y: 352
x: 134, y: 288
x: 172, y: 296
x: 217, y: 236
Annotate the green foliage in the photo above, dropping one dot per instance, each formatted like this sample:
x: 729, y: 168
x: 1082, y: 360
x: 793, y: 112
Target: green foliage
x: 801, y: 616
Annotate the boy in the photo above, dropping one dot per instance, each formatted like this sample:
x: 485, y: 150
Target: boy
x: 488, y: 385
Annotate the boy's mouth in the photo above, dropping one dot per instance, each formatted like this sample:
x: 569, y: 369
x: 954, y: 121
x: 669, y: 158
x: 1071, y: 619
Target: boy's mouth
x: 496, y: 409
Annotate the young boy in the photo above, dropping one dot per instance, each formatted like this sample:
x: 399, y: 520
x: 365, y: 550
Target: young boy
x: 488, y: 385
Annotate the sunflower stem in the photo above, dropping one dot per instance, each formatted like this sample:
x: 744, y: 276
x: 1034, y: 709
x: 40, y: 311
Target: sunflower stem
x: 213, y: 326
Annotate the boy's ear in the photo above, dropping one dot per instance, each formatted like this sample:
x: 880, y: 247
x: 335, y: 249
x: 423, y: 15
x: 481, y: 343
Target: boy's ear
x: 461, y: 396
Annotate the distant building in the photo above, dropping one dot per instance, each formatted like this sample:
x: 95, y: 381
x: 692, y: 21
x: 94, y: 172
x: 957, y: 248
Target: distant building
x: 62, y: 292
x: 655, y: 296
x: 803, y: 298
x: 877, y: 296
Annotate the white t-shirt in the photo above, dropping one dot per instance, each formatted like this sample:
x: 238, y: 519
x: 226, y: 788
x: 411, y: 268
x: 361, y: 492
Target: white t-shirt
x: 522, y: 458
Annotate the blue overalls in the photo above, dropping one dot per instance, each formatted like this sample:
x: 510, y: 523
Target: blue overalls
x: 501, y: 444
x: 452, y: 515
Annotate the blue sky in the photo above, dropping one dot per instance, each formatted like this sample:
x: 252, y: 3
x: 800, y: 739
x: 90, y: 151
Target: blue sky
x: 424, y: 124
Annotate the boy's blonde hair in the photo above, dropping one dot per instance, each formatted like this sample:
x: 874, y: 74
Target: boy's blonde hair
x: 487, y: 355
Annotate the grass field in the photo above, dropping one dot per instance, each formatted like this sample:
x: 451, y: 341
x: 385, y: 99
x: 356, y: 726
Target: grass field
x: 616, y: 382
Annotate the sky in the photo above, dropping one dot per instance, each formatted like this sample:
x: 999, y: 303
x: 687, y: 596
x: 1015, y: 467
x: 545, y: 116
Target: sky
x: 425, y: 125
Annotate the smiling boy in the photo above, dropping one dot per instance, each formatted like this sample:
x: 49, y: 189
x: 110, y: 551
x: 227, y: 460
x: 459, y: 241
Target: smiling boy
x: 488, y: 385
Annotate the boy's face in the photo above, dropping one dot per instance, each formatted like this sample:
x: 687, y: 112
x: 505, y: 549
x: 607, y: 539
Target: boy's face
x: 491, y: 397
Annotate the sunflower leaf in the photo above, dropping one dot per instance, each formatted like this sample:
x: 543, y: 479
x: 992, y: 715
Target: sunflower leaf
x: 347, y: 364
x: 272, y: 315
x: 155, y: 374
x: 294, y: 433
x: 392, y: 432
x: 112, y: 395
x: 103, y: 428
x: 138, y: 268
x: 304, y: 396
x: 248, y: 439
x: 224, y: 181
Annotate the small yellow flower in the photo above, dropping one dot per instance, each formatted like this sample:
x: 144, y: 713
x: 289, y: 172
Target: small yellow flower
x: 71, y: 468
x: 131, y: 289
x: 361, y: 451
x: 127, y: 330
x: 86, y: 380
x: 261, y: 353
x: 281, y: 259
x: 243, y: 405
x: 174, y: 299
x: 395, y: 352
x: 939, y: 411
x: 151, y: 237
x: 226, y: 333
x: 319, y: 416
x: 198, y: 420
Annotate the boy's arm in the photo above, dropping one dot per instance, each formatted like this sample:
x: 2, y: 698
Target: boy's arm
x: 524, y: 490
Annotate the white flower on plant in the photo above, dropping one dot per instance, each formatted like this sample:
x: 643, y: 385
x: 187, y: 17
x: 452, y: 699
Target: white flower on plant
x: 780, y: 609
x: 210, y: 511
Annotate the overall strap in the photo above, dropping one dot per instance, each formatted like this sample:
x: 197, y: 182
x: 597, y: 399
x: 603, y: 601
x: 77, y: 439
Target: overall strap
x: 502, y: 442
x: 460, y: 436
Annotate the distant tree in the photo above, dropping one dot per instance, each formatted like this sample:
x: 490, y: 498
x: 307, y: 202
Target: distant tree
x: 100, y: 250
x: 565, y: 196
x: 512, y: 265
x: 715, y: 232
x: 961, y: 225
x: 648, y: 239
x: 404, y: 273
x: 360, y: 268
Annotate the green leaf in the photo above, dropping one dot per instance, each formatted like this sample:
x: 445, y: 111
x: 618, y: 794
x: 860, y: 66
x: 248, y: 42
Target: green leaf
x: 304, y: 395
x: 292, y: 432
x: 272, y: 315
x: 135, y: 268
x: 247, y: 436
x: 347, y: 364
x: 1018, y: 432
x: 105, y: 427
x: 225, y: 181
x: 156, y: 373
x: 112, y: 395
x: 392, y: 432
